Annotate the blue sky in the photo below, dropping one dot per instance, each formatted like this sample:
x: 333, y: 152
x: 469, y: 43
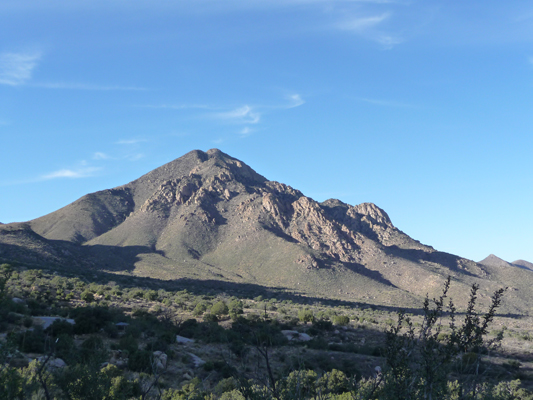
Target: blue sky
x: 421, y: 107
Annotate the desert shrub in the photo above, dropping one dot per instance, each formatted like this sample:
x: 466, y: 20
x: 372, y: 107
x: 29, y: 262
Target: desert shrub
x: 235, y: 308
x: 306, y: 315
x: 323, y: 325
x: 333, y: 382
x: 65, y: 348
x: 135, y: 293
x: 87, y: 296
x: 60, y: 327
x: 418, y: 362
x: 32, y: 341
x: 220, y: 308
x: 36, y: 307
x: 11, y: 384
x: 341, y: 320
x: 200, y: 308
x: 90, y: 319
x: 300, y: 384
x: 151, y: 295
x: 210, y: 317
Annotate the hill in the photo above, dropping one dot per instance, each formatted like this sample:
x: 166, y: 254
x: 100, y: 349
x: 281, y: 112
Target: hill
x: 209, y: 217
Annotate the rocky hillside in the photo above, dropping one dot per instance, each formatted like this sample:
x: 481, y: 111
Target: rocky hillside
x: 209, y: 217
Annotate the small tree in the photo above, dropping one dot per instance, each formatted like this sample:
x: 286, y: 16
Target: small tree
x: 418, y: 363
x: 306, y: 315
x: 220, y: 309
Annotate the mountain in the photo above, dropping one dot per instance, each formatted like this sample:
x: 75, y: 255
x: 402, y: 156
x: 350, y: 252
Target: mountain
x: 494, y: 261
x: 497, y: 262
x: 209, y: 217
x: 523, y: 264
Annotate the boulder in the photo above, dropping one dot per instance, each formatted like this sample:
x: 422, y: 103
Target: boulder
x: 160, y: 360
x: 183, y: 340
x: 296, y: 336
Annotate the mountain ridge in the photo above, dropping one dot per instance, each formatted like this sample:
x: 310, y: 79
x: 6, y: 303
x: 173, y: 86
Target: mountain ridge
x: 209, y: 215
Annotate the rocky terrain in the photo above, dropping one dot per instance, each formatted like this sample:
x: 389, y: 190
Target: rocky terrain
x: 210, y: 218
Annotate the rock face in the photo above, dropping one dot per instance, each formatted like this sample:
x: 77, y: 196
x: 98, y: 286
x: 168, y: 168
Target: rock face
x: 209, y: 216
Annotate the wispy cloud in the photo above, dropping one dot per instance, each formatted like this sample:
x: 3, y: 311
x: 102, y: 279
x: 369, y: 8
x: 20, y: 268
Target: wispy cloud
x: 243, y: 115
x: 131, y: 141
x: 178, y: 106
x: 370, y: 27
x: 246, y: 131
x: 85, y: 86
x: 71, y: 173
x: 101, y: 156
x: 360, y: 24
x: 17, y: 68
x: 295, y: 100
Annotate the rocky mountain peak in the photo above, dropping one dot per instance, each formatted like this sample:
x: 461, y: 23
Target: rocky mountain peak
x: 494, y: 261
x: 207, y: 214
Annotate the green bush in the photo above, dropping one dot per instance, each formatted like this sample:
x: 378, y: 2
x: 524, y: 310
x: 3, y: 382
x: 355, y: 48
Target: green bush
x: 87, y: 296
x: 210, y: 317
x: 60, y: 327
x: 341, y: 320
x: 32, y: 341
x: 220, y: 308
x: 305, y: 315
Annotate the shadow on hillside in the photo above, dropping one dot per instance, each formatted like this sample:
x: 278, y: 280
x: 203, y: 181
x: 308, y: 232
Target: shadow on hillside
x: 91, y: 264
x: 446, y: 259
x: 362, y: 270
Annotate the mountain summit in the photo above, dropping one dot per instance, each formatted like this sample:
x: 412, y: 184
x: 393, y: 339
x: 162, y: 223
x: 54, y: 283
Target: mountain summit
x: 208, y: 216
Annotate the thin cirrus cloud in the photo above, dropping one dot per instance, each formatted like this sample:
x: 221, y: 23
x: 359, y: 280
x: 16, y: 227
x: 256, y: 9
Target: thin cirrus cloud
x: 244, y: 115
x: 370, y: 28
x: 295, y: 100
x: 252, y: 114
x: 246, y: 131
x: 361, y: 24
x: 131, y: 141
x: 17, y: 68
x: 101, y: 156
x: 71, y: 173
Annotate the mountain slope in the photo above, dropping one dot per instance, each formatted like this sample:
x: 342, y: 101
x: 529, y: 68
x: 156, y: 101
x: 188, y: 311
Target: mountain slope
x: 208, y: 216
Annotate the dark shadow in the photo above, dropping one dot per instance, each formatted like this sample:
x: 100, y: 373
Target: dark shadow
x: 279, y: 232
x: 362, y: 270
x: 446, y: 259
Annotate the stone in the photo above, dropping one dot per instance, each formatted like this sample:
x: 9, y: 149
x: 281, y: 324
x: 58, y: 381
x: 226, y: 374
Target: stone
x: 197, y: 361
x: 183, y: 340
x: 296, y: 336
x: 160, y: 360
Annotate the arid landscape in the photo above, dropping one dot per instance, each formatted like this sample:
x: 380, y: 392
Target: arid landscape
x: 207, y: 249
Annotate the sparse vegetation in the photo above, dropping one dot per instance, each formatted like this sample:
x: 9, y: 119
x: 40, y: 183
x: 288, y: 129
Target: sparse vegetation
x: 248, y: 357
